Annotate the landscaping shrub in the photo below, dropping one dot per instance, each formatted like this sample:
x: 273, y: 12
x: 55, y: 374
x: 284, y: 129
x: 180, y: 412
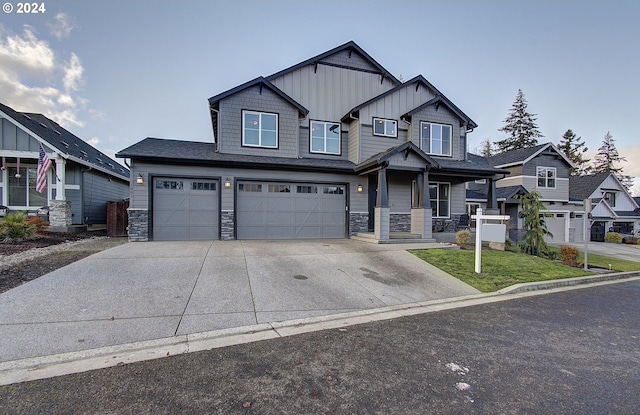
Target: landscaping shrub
x: 463, y: 237
x: 15, y: 228
x: 613, y: 237
x: 568, y: 255
x: 39, y: 223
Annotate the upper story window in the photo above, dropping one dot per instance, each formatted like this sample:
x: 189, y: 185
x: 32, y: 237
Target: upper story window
x: 325, y: 137
x: 546, y: 177
x: 386, y: 128
x: 610, y: 197
x: 259, y: 129
x: 435, y: 138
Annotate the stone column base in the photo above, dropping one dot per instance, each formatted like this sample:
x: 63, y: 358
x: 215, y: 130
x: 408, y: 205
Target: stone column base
x: 60, y: 213
x: 138, y: 225
x: 381, y: 223
x: 421, y: 222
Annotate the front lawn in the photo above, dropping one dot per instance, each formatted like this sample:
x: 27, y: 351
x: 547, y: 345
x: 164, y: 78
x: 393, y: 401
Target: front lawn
x: 500, y: 269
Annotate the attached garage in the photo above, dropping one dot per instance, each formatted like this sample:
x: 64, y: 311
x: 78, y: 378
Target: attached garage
x: 185, y: 209
x: 557, y: 225
x: 279, y: 210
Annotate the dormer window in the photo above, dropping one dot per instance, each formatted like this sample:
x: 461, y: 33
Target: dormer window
x: 385, y: 128
x: 435, y: 138
x: 610, y: 197
x: 259, y: 129
x: 325, y: 137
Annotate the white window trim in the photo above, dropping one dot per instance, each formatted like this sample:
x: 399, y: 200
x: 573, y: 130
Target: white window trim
x: 546, y: 177
x: 385, y: 134
x: 324, y: 131
x: 429, y: 150
x: 259, y: 114
x: 437, y: 200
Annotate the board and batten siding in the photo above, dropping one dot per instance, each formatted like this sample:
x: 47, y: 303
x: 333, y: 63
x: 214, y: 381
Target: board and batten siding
x: 331, y: 92
x: 393, y: 105
x: 14, y: 138
x: 624, y: 203
x: 230, y: 123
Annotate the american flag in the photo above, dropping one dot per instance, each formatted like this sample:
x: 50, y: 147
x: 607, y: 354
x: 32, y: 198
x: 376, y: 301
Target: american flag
x: 43, y: 166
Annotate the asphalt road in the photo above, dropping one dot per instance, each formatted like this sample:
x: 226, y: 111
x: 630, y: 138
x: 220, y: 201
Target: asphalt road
x: 572, y: 352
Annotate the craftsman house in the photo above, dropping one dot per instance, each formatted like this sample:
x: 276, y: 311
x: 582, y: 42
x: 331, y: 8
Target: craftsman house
x: 332, y: 147
x: 80, y: 183
x: 612, y: 207
x: 543, y: 168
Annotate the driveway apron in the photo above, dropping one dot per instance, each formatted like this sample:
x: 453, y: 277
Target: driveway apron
x: 152, y: 290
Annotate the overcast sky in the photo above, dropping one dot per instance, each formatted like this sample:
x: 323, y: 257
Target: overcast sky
x: 115, y: 72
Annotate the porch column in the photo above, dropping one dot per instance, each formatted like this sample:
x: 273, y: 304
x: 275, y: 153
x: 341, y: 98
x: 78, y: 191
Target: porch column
x: 421, y: 213
x: 492, y: 198
x: 60, y: 208
x: 381, y: 213
x: 61, y: 177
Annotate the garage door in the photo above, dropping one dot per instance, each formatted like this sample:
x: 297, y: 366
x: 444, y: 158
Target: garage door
x: 185, y: 209
x: 290, y: 210
x: 556, y: 224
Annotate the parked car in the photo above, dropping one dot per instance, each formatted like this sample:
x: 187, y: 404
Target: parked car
x: 628, y: 238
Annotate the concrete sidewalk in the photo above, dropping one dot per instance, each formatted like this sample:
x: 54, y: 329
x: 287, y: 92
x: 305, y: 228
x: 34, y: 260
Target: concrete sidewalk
x: 145, y: 291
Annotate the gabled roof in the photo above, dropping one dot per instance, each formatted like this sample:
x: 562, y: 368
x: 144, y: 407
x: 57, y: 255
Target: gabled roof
x: 64, y: 142
x: 407, y: 147
x: 420, y: 80
x: 524, y: 155
x: 203, y: 153
x: 350, y: 46
x: 261, y: 82
x: 581, y: 187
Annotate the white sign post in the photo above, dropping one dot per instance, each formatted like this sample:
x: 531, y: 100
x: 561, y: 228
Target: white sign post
x: 492, y: 232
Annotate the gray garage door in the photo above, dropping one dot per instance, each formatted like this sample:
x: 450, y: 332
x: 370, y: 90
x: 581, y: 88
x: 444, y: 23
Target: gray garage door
x: 185, y: 209
x: 290, y: 210
x: 556, y: 224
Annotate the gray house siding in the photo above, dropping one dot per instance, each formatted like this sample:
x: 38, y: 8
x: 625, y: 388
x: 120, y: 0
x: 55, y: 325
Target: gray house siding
x: 13, y: 138
x: 441, y: 116
x: 97, y: 190
x: 349, y: 59
x: 304, y: 145
x: 543, y: 160
x: 230, y: 122
x: 354, y: 142
x: 330, y: 92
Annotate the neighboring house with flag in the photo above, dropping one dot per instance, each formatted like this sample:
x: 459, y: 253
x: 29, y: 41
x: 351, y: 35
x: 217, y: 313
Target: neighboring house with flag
x: 44, y: 165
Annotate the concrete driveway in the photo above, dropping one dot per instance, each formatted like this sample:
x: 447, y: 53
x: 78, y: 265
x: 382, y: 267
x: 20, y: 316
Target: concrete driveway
x: 621, y: 251
x: 144, y: 291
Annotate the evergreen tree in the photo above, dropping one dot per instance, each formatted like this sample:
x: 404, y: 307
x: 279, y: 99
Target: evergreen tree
x: 574, y: 148
x: 533, y: 242
x: 520, y: 126
x: 485, y: 148
x: 607, y: 160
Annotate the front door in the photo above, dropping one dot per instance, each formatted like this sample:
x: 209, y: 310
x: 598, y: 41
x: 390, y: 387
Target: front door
x: 373, y: 193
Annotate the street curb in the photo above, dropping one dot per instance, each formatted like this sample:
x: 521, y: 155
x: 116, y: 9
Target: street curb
x: 566, y: 282
x: 43, y: 367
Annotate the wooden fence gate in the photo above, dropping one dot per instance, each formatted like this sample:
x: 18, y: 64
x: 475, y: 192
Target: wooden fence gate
x: 117, y: 218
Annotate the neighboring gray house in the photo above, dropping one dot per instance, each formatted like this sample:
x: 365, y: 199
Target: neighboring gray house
x: 612, y: 207
x: 543, y: 168
x: 329, y: 148
x: 80, y: 183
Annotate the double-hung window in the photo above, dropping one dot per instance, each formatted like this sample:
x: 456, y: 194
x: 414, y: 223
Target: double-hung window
x: 325, y: 137
x: 386, y: 128
x: 439, y: 194
x: 259, y: 129
x: 435, y: 138
x: 546, y: 177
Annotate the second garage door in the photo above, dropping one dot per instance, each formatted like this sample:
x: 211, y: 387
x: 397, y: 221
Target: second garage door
x: 268, y: 210
x: 185, y: 209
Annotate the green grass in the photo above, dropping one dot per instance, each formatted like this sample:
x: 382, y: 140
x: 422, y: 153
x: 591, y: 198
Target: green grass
x: 601, y: 261
x: 500, y: 269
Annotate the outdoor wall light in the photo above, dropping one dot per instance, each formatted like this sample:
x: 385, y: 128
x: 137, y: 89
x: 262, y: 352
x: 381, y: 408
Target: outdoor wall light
x: 227, y: 183
x: 359, y: 188
x: 139, y: 179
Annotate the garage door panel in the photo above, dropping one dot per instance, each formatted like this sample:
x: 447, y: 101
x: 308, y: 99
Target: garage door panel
x: 306, y: 211
x: 185, y: 209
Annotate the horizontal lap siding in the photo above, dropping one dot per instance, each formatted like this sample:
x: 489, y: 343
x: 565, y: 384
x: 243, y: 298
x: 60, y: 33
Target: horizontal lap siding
x: 97, y: 191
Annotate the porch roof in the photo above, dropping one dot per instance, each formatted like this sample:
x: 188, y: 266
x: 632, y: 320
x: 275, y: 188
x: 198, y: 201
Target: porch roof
x: 384, y: 157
